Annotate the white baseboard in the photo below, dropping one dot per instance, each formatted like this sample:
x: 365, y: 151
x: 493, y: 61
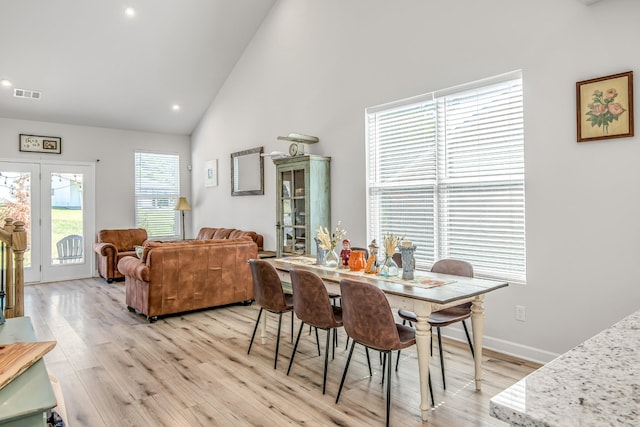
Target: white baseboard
x: 506, y: 347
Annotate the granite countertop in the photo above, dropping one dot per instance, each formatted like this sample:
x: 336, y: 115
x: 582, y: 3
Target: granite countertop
x: 595, y: 384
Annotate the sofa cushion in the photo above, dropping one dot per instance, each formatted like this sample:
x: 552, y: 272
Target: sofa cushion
x: 222, y: 233
x: 207, y: 233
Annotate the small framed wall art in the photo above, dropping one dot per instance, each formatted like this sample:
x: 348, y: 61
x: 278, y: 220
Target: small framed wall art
x: 211, y: 173
x: 605, y: 107
x: 41, y: 144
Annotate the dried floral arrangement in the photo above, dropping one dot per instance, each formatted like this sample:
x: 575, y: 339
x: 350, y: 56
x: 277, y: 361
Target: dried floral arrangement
x: 391, y: 242
x: 329, y: 241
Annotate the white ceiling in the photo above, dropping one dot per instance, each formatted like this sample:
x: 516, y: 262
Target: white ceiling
x: 96, y: 67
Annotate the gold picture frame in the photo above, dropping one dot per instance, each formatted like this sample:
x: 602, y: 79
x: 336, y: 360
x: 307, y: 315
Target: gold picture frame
x: 605, y: 107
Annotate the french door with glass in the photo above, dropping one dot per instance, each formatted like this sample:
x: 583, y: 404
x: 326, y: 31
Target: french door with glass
x: 57, y: 203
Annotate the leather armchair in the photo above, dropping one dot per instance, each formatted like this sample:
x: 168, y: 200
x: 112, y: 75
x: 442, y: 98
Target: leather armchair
x: 112, y: 245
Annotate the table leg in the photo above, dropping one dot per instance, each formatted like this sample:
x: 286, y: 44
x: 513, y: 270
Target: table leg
x: 423, y: 335
x: 477, y: 325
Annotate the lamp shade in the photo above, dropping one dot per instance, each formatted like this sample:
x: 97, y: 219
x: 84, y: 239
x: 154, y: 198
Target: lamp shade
x: 183, y: 205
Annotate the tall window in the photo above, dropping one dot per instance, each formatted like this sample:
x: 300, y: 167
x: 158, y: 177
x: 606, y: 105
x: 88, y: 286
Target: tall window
x: 157, y: 190
x: 446, y: 170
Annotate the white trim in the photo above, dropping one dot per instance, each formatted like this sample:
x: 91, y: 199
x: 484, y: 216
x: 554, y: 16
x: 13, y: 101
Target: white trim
x: 430, y: 96
x: 510, y: 348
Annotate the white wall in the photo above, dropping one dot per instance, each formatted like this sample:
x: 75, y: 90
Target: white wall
x: 114, y: 149
x: 315, y: 65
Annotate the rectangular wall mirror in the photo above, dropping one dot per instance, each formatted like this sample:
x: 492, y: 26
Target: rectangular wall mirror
x: 247, y: 172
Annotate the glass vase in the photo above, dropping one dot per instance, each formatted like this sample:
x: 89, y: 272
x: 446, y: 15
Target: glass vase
x: 389, y: 268
x: 331, y: 258
x: 320, y: 253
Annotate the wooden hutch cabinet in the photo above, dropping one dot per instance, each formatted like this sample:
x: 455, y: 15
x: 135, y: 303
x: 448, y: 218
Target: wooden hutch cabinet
x: 303, y: 205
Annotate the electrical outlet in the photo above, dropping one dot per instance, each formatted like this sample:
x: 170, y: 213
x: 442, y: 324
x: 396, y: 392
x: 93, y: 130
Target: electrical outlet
x: 520, y: 313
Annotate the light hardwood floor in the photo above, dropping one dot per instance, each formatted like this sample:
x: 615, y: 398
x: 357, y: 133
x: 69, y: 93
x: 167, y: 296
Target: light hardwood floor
x: 193, y: 369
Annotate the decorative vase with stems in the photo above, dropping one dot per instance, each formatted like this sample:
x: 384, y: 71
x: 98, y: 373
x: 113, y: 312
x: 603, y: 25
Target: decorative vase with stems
x: 320, y: 253
x: 328, y: 243
x: 331, y: 258
x: 408, y: 262
x: 389, y: 268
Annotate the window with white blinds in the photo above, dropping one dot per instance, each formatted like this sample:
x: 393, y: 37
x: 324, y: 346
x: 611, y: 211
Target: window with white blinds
x: 446, y: 170
x: 157, y: 189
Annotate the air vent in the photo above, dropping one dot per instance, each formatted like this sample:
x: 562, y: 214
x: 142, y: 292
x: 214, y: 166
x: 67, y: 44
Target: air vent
x: 25, y: 93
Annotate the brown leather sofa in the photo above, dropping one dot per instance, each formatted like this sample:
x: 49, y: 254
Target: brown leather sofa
x: 229, y: 233
x: 112, y: 245
x: 173, y: 277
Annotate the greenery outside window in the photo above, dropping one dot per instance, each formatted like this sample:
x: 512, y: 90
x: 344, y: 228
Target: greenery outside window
x: 446, y: 170
x: 157, y: 188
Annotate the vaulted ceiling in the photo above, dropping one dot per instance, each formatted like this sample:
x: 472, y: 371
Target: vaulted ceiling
x: 95, y: 65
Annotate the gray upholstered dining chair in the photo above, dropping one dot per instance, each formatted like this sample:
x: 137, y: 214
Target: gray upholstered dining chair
x: 448, y: 316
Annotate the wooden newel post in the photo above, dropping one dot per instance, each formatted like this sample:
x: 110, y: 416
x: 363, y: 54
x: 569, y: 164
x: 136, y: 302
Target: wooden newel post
x: 19, y: 244
x: 8, y: 268
x: 14, y: 236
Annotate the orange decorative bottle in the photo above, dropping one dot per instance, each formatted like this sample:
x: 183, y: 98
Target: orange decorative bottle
x: 356, y: 260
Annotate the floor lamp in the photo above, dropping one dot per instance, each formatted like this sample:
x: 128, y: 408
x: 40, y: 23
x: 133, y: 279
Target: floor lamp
x: 182, y: 206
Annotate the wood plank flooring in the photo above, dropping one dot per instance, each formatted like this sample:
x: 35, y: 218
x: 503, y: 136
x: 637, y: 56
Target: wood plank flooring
x: 116, y: 369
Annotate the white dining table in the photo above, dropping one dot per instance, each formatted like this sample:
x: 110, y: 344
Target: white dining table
x: 426, y: 293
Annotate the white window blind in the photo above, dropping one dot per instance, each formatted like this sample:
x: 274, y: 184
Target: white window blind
x: 447, y: 172
x: 157, y: 189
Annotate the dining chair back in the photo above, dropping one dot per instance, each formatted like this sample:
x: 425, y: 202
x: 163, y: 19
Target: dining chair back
x: 448, y: 316
x: 268, y: 293
x: 312, y: 306
x: 369, y: 321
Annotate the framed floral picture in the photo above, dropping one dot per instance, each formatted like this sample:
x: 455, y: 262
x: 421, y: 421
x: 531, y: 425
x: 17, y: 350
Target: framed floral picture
x: 605, y: 107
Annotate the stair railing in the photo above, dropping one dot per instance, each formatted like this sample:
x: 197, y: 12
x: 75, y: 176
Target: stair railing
x: 13, y: 243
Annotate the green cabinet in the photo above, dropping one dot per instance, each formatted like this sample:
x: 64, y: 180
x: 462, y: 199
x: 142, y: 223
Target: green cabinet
x: 303, y: 204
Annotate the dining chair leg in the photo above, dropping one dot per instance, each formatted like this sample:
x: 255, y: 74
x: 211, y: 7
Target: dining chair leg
x: 275, y: 362
x: 292, y: 316
x: 388, y: 384
x: 295, y: 348
x: 366, y: 349
x: 335, y: 340
x: 384, y: 364
x: 433, y: 401
x: 444, y: 384
x: 326, y: 361
x: 318, y: 341
x: 431, y: 342
x: 466, y: 331
x: 346, y: 368
x: 255, y: 328
x: 346, y: 345
x: 397, y: 360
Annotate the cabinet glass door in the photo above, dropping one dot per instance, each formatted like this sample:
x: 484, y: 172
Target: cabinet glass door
x: 293, y: 210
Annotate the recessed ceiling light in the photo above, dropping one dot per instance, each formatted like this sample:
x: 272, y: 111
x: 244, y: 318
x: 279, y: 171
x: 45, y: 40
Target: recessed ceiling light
x: 5, y: 83
x: 175, y: 107
x: 130, y: 12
